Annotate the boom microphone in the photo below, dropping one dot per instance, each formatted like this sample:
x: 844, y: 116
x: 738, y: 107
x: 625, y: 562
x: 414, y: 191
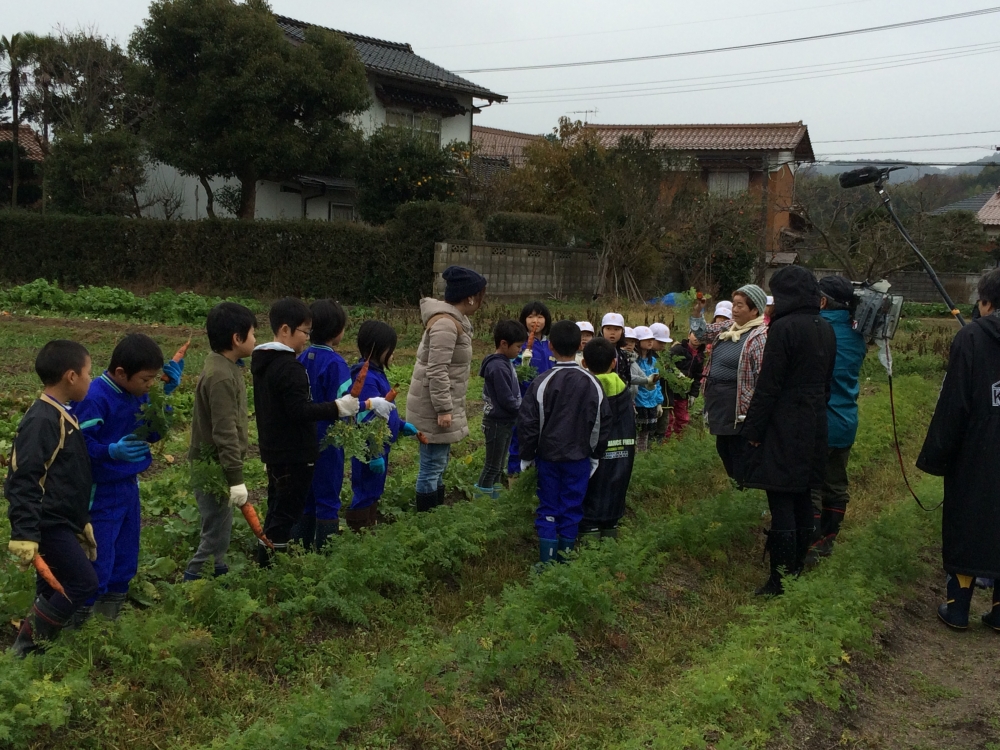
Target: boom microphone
x: 865, y: 176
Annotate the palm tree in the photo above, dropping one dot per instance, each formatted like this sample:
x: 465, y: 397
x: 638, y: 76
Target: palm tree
x: 17, y: 57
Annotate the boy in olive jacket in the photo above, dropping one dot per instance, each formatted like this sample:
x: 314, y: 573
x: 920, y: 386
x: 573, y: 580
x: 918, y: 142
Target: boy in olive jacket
x: 219, y: 428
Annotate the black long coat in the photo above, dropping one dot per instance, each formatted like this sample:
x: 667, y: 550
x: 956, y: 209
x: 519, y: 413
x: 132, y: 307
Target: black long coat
x: 963, y: 446
x: 787, y: 414
x: 605, y: 500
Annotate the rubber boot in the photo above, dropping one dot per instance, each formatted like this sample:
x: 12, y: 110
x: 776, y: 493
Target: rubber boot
x: 40, y: 626
x: 547, y: 549
x: 79, y: 618
x: 783, y: 549
x: 482, y: 492
x: 992, y: 618
x: 587, y: 537
x: 264, y: 555
x: 565, y: 547
x: 373, y: 514
x: 803, y: 537
x: 955, y: 612
x: 427, y: 501
x: 109, y: 606
x: 497, y: 489
x: 440, y: 495
x: 304, y: 532
x: 355, y: 518
x: 611, y: 533
x: 221, y: 570
x: 326, y: 529
x: 188, y: 576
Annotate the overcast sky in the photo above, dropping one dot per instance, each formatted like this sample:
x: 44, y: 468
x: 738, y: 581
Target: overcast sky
x: 954, y: 93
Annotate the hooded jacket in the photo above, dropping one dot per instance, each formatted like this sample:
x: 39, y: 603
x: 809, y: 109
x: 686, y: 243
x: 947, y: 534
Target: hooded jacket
x: 842, y: 411
x: 961, y: 445
x: 501, y: 391
x: 787, y: 414
x: 605, y: 499
x: 441, y: 373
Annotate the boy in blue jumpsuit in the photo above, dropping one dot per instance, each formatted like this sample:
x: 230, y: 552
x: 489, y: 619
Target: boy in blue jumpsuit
x: 535, y: 317
x: 329, y: 379
x: 109, y: 418
x: 376, y: 343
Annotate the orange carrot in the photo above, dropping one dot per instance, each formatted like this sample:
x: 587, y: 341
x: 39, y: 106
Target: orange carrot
x: 359, y: 382
x: 391, y: 395
x: 250, y: 514
x: 423, y: 438
x: 47, y: 575
x: 531, y: 339
x: 178, y: 356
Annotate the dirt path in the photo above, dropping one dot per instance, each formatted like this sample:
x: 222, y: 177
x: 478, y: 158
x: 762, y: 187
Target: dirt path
x: 929, y: 687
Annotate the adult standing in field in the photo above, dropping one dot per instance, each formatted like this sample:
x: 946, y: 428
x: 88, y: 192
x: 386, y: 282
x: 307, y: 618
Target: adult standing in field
x: 785, y: 426
x: 961, y: 446
x: 731, y: 375
x: 435, y: 403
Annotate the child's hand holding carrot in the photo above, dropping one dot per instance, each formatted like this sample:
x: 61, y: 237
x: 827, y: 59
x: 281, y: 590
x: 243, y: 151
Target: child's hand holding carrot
x: 24, y: 551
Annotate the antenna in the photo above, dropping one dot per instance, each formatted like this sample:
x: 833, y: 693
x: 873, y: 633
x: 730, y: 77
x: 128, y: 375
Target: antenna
x: 584, y: 112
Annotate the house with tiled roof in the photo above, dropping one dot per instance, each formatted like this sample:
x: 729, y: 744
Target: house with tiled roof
x: 28, y: 139
x: 407, y: 91
x: 730, y: 159
x: 972, y: 204
x: 989, y: 215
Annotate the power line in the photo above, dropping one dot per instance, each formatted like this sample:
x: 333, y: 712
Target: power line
x: 908, y: 137
x: 916, y: 150
x: 739, y: 47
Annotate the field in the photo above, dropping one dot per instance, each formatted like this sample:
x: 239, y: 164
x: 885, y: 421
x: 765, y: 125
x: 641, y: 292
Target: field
x: 430, y: 630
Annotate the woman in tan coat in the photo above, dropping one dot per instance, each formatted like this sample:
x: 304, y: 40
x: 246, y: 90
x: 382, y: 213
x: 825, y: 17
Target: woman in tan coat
x: 435, y: 403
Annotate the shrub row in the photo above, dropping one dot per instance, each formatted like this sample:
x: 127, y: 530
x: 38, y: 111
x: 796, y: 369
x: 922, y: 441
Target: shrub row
x: 529, y: 229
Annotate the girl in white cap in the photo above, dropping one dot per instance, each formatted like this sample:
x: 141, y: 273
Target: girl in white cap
x: 649, y: 398
x: 613, y: 329
x: 586, y: 334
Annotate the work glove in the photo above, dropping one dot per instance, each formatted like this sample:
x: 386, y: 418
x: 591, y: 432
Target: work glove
x: 88, y: 543
x: 173, y: 370
x: 409, y: 430
x: 347, y: 406
x: 525, y: 465
x: 381, y: 407
x: 24, y: 551
x: 377, y: 465
x: 526, y: 356
x: 130, y: 449
x: 238, y: 496
x: 659, y: 411
x: 594, y: 463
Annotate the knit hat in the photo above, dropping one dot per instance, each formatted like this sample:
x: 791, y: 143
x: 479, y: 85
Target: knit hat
x: 643, y: 333
x: 724, y: 308
x: 585, y: 326
x: 629, y: 333
x: 461, y: 283
x: 837, y: 288
x: 661, y: 332
x: 756, y: 296
x: 613, y: 319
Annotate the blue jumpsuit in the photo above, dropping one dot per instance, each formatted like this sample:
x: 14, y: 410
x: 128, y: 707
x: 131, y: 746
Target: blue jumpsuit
x: 106, y: 416
x: 329, y: 379
x: 541, y: 360
x: 367, y: 485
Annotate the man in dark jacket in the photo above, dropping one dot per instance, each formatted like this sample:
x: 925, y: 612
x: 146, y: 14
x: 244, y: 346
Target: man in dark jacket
x: 961, y: 446
x: 786, y: 424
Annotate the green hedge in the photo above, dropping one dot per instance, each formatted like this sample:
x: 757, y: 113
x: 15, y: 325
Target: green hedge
x: 530, y: 229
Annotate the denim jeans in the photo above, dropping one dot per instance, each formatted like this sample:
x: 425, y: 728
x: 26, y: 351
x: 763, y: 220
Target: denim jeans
x: 433, y: 462
x: 497, y: 447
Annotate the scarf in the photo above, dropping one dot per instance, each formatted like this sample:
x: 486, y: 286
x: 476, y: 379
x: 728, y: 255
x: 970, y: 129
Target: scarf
x: 734, y: 333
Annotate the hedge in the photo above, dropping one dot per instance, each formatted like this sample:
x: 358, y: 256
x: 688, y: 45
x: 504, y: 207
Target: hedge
x: 530, y: 229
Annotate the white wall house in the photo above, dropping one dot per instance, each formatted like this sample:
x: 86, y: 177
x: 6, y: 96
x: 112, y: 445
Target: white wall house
x: 407, y: 91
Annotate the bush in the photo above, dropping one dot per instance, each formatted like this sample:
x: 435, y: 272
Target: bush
x: 529, y: 229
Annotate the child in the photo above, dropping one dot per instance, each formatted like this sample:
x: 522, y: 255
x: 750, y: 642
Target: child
x: 537, y: 319
x: 586, y: 334
x: 219, y: 426
x: 501, y: 400
x: 48, y: 491
x: 604, y: 505
x: 376, y: 343
x: 689, y: 357
x: 661, y: 339
x: 109, y: 418
x: 329, y: 379
x: 564, y: 423
x: 286, y: 420
x: 649, y: 398
x: 613, y: 329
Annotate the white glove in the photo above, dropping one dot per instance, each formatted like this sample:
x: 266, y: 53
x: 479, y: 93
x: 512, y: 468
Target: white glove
x: 526, y: 356
x: 238, y: 496
x: 594, y: 463
x: 381, y: 407
x: 525, y: 465
x: 659, y: 412
x: 347, y: 406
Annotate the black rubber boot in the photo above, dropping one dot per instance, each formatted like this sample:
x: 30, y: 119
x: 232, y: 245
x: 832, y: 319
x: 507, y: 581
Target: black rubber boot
x: 440, y: 495
x: 955, y: 612
x: 783, y: 548
x: 589, y: 534
x: 304, y: 531
x: 356, y: 519
x: 611, y: 533
x: 109, y: 606
x: 221, y: 570
x: 803, y: 537
x: 79, y: 618
x: 565, y: 547
x: 992, y: 618
x: 324, y: 530
x: 264, y: 555
x: 39, y: 627
x: 427, y: 501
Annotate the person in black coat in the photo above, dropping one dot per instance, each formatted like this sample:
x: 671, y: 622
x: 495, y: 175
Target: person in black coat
x: 786, y: 425
x: 961, y: 446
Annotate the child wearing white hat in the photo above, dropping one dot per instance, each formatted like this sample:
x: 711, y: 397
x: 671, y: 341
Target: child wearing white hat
x: 723, y: 311
x: 586, y: 334
x: 649, y: 396
x: 613, y: 329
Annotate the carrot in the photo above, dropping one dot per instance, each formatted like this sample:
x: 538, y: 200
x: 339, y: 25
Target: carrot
x: 178, y: 356
x: 359, y: 382
x: 47, y: 575
x: 250, y: 513
x: 531, y: 340
x: 423, y: 438
x: 391, y: 395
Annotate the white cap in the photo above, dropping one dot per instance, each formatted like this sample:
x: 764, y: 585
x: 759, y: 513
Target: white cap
x: 613, y: 319
x: 661, y: 332
x: 643, y: 333
x: 770, y: 300
x: 585, y: 325
x: 629, y: 333
x: 724, y: 308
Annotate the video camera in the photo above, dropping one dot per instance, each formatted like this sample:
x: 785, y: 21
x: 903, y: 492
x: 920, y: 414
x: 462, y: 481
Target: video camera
x: 877, y: 312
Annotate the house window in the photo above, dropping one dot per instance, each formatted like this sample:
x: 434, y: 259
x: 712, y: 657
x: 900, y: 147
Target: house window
x: 728, y: 184
x: 423, y: 125
x: 339, y: 212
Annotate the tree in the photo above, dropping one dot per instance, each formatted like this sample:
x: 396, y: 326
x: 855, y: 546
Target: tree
x: 227, y: 94
x: 16, y: 52
x: 100, y: 173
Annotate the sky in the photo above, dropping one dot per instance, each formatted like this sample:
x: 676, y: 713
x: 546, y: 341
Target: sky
x: 931, y: 80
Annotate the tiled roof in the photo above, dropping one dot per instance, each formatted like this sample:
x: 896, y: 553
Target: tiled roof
x: 989, y: 214
x: 396, y: 60
x: 27, y: 137
x: 972, y: 203
x: 391, y: 95
x: 786, y: 136
x: 493, y: 143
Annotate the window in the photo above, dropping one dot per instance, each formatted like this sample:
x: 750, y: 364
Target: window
x: 423, y: 125
x: 339, y: 212
x: 728, y: 184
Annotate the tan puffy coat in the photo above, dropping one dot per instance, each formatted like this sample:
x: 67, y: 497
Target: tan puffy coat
x: 441, y: 373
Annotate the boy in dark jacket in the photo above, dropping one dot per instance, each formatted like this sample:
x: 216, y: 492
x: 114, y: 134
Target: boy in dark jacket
x: 564, y: 423
x: 501, y: 400
x: 48, y: 491
x: 286, y: 420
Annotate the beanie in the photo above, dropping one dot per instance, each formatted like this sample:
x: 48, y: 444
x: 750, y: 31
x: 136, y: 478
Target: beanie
x: 756, y: 296
x: 461, y: 283
x: 837, y: 288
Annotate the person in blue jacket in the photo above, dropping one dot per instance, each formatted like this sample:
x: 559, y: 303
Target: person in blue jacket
x: 536, y: 318
x: 376, y: 343
x: 837, y: 306
x: 110, y: 420
x: 329, y: 379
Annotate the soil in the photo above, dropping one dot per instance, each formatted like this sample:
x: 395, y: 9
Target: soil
x: 927, y: 687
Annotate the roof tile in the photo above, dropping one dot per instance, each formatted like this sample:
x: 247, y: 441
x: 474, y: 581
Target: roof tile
x: 989, y: 215
x: 28, y: 139
x: 494, y: 143
x: 787, y: 136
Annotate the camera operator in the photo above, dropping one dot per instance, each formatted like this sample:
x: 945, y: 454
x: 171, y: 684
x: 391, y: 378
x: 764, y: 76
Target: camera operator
x: 837, y: 305
x: 961, y: 445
